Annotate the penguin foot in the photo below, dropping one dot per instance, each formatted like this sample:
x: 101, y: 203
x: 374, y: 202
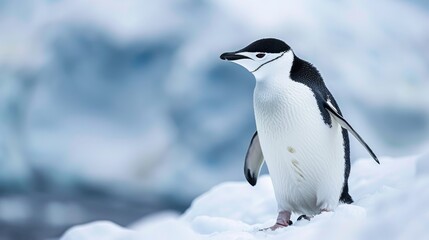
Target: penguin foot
x: 283, y: 220
x: 304, y: 217
x: 325, y: 210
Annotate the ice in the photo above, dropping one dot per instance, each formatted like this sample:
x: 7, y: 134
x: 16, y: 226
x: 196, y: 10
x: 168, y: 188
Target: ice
x: 389, y: 204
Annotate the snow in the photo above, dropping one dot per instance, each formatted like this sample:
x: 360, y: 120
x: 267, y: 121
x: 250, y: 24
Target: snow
x: 390, y: 203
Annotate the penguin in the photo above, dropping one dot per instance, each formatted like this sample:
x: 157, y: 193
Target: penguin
x: 301, y: 133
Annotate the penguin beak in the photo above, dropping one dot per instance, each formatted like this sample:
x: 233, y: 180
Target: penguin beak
x: 232, y: 56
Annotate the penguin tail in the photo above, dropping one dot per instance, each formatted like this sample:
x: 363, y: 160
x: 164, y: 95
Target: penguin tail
x: 346, y: 198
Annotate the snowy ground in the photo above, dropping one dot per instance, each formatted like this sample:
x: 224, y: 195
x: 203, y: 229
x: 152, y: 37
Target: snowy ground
x: 390, y: 203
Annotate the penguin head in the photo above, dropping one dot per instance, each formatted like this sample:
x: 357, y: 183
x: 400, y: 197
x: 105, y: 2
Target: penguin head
x: 262, y: 56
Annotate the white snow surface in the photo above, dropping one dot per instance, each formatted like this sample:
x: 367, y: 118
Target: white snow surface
x: 390, y: 203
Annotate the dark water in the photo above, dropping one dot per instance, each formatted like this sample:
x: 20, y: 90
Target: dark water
x: 38, y: 216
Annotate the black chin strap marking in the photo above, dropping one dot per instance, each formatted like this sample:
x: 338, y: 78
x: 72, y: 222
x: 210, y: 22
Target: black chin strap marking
x: 268, y: 62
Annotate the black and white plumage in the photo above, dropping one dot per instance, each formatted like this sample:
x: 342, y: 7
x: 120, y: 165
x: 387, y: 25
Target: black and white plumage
x: 301, y: 133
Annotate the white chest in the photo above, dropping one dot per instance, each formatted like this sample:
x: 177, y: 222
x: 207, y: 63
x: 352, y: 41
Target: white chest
x: 305, y: 157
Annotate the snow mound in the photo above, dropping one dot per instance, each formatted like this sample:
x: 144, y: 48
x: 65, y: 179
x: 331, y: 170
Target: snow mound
x: 390, y: 203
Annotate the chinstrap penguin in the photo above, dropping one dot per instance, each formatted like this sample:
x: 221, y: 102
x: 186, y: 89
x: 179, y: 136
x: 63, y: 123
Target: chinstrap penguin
x: 301, y: 133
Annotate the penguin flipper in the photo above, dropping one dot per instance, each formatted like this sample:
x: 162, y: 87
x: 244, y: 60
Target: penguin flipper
x: 338, y: 118
x: 254, y: 160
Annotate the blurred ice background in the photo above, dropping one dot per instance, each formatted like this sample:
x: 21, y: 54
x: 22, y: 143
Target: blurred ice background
x: 117, y: 109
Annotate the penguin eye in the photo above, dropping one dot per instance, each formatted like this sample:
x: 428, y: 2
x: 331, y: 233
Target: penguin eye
x: 260, y: 55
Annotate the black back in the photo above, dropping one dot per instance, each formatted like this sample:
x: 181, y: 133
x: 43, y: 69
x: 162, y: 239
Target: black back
x: 267, y: 45
x: 304, y: 72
